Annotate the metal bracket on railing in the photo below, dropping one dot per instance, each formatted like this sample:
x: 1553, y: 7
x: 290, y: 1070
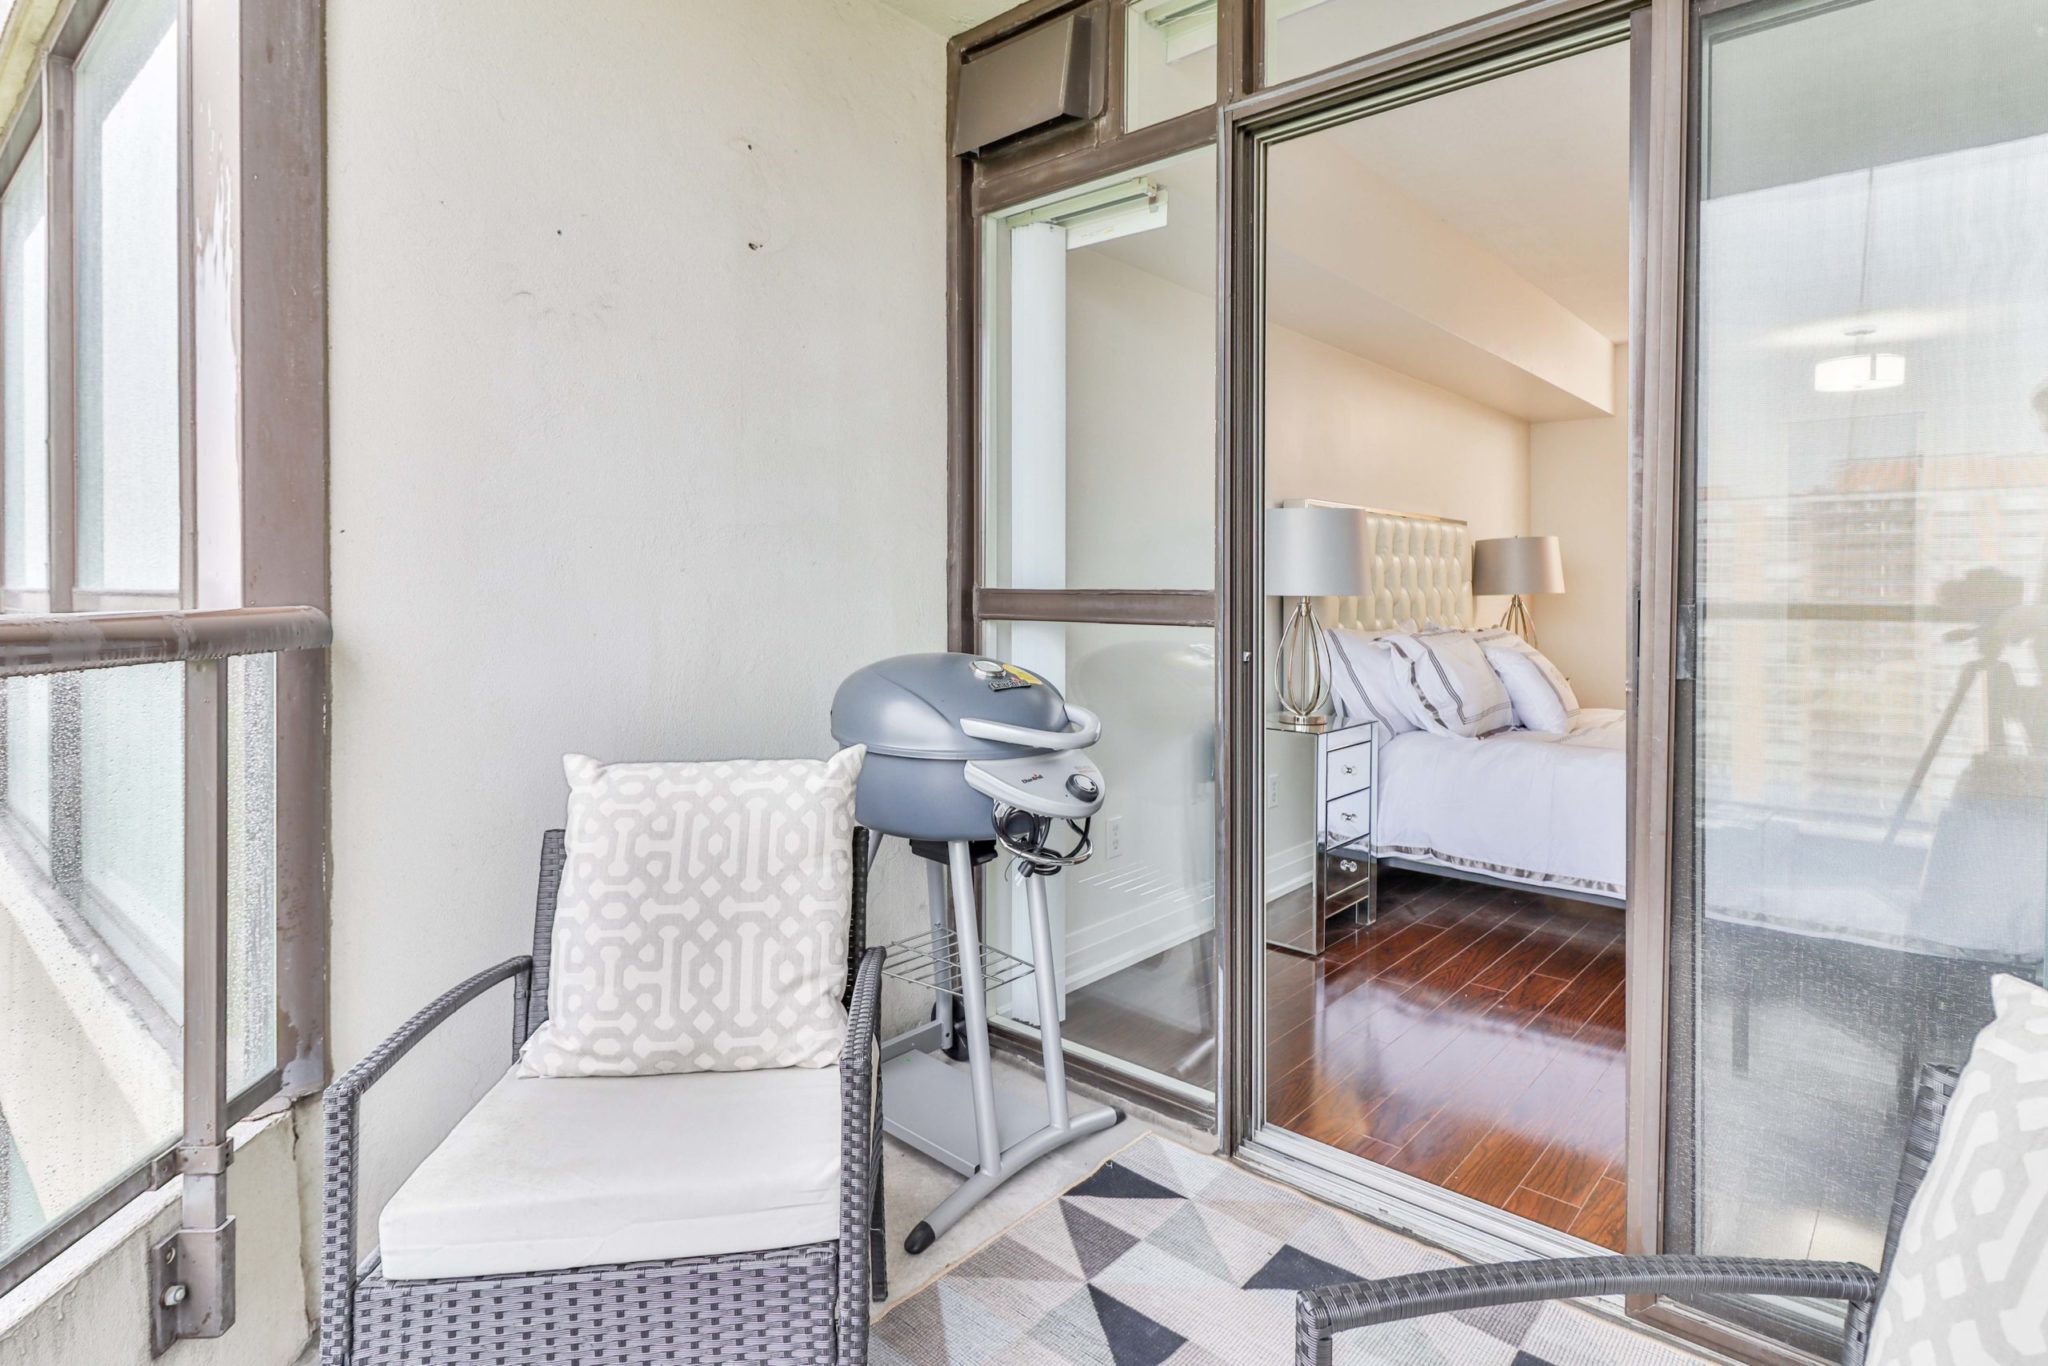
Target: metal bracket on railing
x: 191, y: 1285
x: 192, y: 1272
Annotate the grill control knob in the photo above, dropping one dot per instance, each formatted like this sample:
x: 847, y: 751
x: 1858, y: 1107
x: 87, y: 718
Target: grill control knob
x: 987, y: 668
x: 1083, y: 788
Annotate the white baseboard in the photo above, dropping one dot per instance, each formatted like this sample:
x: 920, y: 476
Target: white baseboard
x: 1290, y: 869
x: 1130, y: 938
x: 1139, y: 932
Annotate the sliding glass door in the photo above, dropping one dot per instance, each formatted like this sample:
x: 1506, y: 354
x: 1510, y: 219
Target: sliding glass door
x: 1863, y: 792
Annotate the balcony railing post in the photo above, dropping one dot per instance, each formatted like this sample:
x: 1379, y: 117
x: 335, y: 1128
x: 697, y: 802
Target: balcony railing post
x: 192, y: 1280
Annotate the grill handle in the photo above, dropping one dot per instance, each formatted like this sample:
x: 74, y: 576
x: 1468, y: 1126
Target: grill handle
x: 1087, y: 730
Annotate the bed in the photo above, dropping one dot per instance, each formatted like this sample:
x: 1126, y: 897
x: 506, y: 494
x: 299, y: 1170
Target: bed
x: 1536, y: 810
x: 1520, y: 808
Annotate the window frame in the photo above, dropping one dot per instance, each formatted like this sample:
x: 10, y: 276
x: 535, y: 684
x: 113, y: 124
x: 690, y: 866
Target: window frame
x: 253, y: 562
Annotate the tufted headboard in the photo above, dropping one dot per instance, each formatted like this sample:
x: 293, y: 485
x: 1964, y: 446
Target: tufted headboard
x: 1418, y: 572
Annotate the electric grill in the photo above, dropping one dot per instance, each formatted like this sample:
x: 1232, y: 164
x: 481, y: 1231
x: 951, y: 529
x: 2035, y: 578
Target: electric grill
x: 967, y: 756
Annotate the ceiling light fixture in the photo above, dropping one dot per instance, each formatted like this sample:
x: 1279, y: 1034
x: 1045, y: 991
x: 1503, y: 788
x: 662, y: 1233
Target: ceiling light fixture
x: 1852, y: 374
x: 1862, y: 369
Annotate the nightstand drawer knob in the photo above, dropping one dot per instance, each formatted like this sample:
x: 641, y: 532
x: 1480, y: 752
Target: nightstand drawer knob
x: 1346, y: 771
x: 1347, y: 865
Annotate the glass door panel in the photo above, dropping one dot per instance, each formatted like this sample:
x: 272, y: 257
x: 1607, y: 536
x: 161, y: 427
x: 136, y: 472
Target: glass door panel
x: 1445, y: 341
x: 1866, y: 809
x: 1136, y: 923
x: 1100, y: 448
x: 1098, y: 473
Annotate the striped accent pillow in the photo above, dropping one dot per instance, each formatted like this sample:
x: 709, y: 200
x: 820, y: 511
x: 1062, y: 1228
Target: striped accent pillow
x: 1368, y: 679
x: 1459, y: 691
x: 1543, y: 698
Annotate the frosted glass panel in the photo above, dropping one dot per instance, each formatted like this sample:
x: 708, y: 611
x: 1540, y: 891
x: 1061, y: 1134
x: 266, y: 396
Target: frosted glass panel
x: 25, y: 374
x: 252, y: 869
x: 1136, y: 922
x: 1304, y: 36
x: 1100, y: 444
x: 128, y: 301
x: 1870, y: 793
x: 28, y: 764
x: 130, y: 763
x: 91, y: 858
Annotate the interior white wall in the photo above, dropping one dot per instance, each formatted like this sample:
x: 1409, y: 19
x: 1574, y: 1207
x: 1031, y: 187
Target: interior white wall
x: 638, y: 448
x: 1578, y: 492
x: 1343, y: 428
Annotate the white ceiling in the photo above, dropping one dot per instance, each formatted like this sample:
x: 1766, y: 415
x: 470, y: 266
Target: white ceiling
x: 1533, y: 165
x: 948, y: 17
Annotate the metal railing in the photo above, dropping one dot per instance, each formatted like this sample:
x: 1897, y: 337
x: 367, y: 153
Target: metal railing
x: 192, y: 1271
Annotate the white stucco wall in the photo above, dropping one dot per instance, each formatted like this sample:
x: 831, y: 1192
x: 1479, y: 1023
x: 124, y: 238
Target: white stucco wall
x: 638, y: 446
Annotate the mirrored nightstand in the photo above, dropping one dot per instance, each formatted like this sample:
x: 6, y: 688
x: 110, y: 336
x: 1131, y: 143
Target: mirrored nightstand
x: 1342, y: 876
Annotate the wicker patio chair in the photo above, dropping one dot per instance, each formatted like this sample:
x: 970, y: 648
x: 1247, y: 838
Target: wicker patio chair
x: 1323, y: 1313
x: 803, y: 1304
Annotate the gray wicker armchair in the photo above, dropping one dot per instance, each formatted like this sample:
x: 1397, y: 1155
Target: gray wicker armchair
x: 1321, y: 1314
x: 803, y: 1304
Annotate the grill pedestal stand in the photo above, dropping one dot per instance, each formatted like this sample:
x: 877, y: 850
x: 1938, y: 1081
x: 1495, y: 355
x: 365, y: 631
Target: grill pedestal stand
x: 961, y: 1117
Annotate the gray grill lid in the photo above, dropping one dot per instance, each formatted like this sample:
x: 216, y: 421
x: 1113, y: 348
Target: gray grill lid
x: 909, y: 707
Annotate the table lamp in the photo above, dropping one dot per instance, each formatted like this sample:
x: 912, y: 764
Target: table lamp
x: 1311, y: 552
x: 1512, y: 566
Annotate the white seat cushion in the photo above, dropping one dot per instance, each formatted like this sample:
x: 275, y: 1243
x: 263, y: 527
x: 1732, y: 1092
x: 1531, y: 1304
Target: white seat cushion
x: 551, y: 1173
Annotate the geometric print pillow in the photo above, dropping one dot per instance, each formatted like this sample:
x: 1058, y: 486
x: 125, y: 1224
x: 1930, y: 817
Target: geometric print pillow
x: 702, y: 920
x: 1969, y: 1281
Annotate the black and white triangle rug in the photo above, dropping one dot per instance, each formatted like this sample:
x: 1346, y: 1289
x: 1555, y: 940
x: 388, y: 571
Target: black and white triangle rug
x: 1167, y: 1257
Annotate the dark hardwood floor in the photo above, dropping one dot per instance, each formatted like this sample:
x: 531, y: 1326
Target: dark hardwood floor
x: 1473, y: 1038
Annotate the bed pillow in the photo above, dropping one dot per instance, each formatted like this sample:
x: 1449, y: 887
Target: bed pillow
x: 1965, y: 1281
x: 1370, y: 680
x: 702, y: 920
x: 1458, y: 690
x: 1542, y: 697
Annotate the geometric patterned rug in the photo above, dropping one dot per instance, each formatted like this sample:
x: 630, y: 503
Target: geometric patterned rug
x: 1168, y: 1257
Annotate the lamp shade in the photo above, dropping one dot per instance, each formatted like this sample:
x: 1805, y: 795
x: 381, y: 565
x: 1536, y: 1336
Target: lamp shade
x: 1314, y: 552
x: 1508, y: 565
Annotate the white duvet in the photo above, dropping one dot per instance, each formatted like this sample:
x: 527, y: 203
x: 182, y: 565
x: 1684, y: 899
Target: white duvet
x: 1549, y: 810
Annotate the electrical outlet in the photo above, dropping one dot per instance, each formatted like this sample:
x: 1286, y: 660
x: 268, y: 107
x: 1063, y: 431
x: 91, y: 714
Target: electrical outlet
x: 1272, y: 790
x: 1113, y: 837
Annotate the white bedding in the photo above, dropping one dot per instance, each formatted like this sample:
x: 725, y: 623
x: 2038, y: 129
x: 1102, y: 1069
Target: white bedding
x: 1523, y: 806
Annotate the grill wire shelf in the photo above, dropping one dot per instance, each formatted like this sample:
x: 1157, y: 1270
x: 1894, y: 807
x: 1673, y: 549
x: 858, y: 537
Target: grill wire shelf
x: 931, y: 961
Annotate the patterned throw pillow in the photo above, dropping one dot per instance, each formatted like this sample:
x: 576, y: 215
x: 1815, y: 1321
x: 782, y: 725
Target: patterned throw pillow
x: 702, y: 921
x: 1969, y: 1282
